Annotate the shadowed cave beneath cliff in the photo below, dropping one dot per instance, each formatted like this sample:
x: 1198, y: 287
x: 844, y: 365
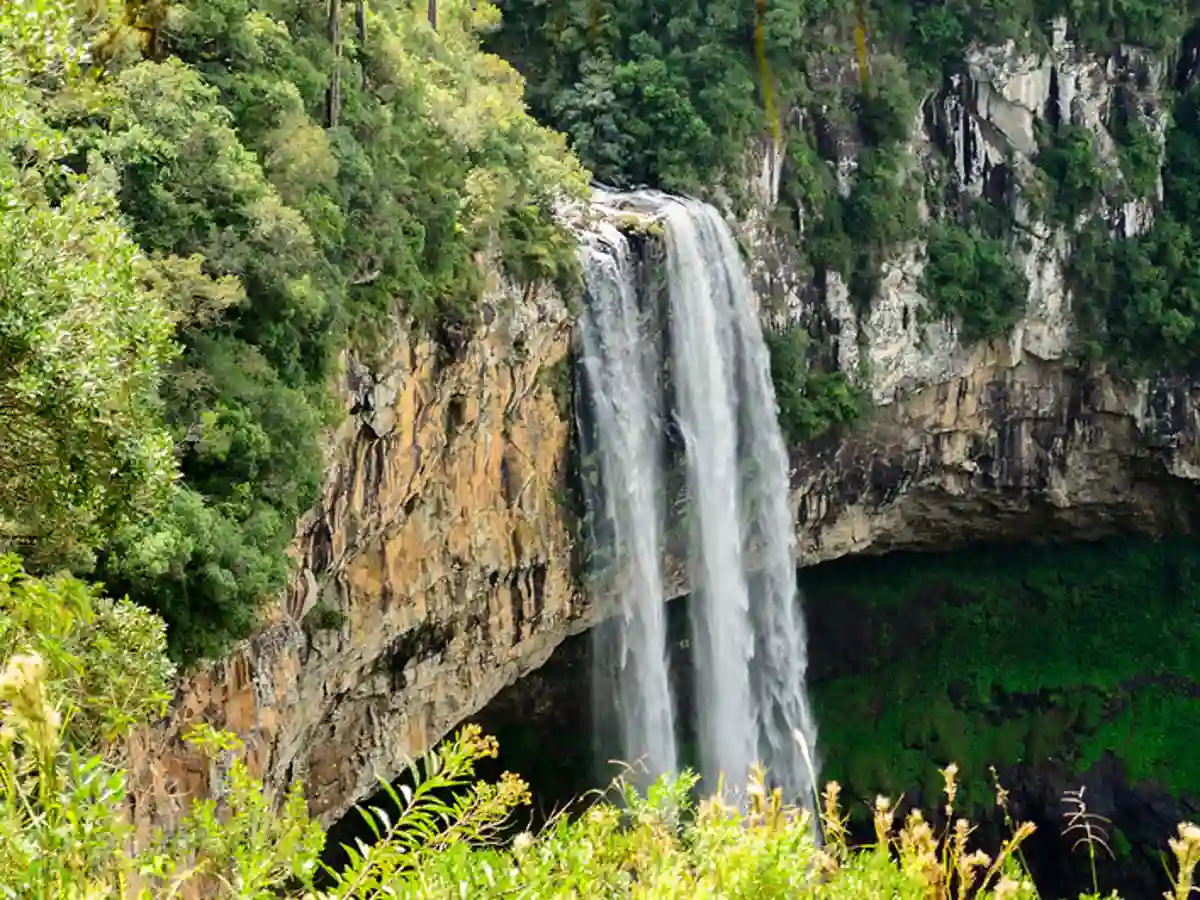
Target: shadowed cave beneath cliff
x: 1061, y: 665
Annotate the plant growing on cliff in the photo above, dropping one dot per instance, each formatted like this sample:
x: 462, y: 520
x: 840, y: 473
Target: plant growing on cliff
x: 1138, y: 149
x: 973, y: 279
x: 811, y: 401
x: 1069, y: 162
x: 1137, y: 296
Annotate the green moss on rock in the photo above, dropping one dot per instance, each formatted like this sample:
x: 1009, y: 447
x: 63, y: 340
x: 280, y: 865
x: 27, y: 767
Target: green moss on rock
x: 1004, y: 657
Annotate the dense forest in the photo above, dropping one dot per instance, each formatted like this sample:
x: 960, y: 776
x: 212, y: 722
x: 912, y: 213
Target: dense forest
x: 203, y: 204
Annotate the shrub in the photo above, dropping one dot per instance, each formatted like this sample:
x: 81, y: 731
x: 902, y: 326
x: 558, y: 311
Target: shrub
x: 63, y: 830
x: 1138, y: 149
x: 103, y: 658
x: 1076, y: 179
x: 810, y: 401
x: 64, y: 835
x: 973, y: 279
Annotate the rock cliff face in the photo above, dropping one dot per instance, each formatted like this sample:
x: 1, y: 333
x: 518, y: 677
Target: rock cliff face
x: 1035, y: 450
x: 436, y: 570
x: 976, y: 136
x: 1007, y: 438
x: 438, y: 567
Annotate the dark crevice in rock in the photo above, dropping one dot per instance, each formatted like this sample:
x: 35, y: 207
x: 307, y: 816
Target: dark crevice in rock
x: 455, y: 414
x: 517, y: 601
x: 427, y: 640
x: 320, y: 546
x: 508, y: 482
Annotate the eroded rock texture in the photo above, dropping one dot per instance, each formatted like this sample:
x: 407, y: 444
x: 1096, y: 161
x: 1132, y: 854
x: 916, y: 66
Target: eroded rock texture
x: 438, y: 555
x: 1035, y: 450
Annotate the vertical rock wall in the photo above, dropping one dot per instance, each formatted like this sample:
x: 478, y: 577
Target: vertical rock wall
x: 435, y: 570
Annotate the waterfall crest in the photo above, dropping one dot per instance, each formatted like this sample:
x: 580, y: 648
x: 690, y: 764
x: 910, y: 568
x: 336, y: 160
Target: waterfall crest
x: 747, y: 630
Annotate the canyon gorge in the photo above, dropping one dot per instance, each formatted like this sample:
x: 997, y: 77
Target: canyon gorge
x: 445, y: 562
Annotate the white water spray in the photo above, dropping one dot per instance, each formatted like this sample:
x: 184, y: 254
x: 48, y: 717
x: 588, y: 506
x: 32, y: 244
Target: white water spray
x: 748, y: 637
x: 622, y: 364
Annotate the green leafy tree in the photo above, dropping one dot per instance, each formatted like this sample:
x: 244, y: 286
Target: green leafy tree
x: 631, y: 84
x: 271, y: 239
x: 974, y: 279
x: 105, y: 658
x: 82, y: 346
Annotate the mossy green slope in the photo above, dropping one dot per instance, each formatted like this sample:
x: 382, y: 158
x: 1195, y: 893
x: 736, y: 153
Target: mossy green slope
x: 1008, y: 656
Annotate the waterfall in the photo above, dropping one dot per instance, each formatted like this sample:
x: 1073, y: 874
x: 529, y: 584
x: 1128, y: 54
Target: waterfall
x: 704, y: 347
x: 621, y: 364
x: 747, y: 630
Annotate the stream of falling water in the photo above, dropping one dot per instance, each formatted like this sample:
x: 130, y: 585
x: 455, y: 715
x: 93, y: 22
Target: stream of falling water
x: 748, y: 639
x: 621, y: 364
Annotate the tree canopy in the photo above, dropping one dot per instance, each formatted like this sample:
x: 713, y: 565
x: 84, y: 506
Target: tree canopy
x: 203, y: 204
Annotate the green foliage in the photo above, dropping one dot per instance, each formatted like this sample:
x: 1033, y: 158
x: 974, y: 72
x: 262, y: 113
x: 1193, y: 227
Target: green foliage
x: 558, y: 377
x: 1148, y: 23
x: 271, y: 227
x: 888, y: 105
x: 1076, y: 178
x: 631, y: 84
x: 1138, y: 298
x: 325, y: 617
x: 103, y: 658
x: 1138, y: 149
x: 973, y: 279
x: 63, y: 832
x: 1012, y: 655
x: 82, y: 346
x: 811, y: 402
x: 860, y: 231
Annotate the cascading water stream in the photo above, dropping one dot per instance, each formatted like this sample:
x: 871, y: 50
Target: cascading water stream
x: 748, y: 639
x: 621, y: 365
x: 704, y: 369
x: 779, y: 661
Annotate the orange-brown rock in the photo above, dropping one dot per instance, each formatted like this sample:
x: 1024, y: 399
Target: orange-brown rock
x: 434, y: 571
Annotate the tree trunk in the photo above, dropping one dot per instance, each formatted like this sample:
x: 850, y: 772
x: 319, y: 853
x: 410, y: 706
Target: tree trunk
x: 333, y: 96
x: 433, y: 14
x: 360, y: 20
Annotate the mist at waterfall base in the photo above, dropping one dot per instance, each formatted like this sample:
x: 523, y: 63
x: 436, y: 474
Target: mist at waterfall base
x: 683, y: 459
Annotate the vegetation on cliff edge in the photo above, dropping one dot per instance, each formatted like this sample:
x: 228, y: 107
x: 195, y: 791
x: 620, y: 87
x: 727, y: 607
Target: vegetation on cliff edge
x: 1139, y: 295
x: 204, y: 203
x: 629, y: 82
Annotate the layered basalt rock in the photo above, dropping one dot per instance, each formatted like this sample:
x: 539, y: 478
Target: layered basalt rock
x: 436, y: 570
